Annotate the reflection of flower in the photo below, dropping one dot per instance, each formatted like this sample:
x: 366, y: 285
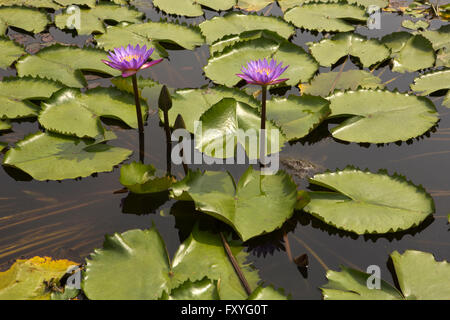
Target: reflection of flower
x: 130, y: 60
x: 262, y: 72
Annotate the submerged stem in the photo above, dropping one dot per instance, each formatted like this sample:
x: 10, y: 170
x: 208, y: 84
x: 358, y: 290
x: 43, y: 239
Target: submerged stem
x: 139, y: 118
x: 235, y: 264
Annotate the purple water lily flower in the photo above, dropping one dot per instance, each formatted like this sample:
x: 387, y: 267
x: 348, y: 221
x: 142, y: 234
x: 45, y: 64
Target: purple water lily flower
x: 262, y: 72
x: 130, y: 60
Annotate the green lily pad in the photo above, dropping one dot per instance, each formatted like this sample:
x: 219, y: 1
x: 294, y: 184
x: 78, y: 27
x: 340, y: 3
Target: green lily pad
x: 446, y: 101
x: 192, y: 103
x: 92, y: 20
x: 74, y: 113
x: 9, y: 52
x: 431, y: 82
x: 142, y: 270
x: 26, y: 279
x: 253, y: 5
x: 329, y: 51
x: 378, y: 116
x: 27, y: 19
x: 297, y: 116
x: 31, y: 3
x: 409, y: 52
x: 288, y: 4
x: 222, y: 68
x: 258, y: 204
x: 230, y: 122
x: 188, y: 8
x: 326, y: 16
x: 236, y: 23
x: 409, y: 24
x: 49, y: 156
x: 150, y: 34
x: 267, y: 293
x: 199, y: 290
x: 439, y: 38
x: 5, y: 125
x: 64, y: 64
x: 16, y: 93
x: 321, y: 84
x: 419, y: 275
x: 365, y: 202
x: 140, y: 178
x: 3, y: 145
x: 218, y: 5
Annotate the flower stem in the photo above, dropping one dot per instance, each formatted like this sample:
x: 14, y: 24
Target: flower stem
x: 168, y: 142
x: 139, y: 119
x: 262, y: 135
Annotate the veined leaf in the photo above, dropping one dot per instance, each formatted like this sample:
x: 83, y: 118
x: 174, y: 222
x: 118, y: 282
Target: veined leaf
x: 142, y: 270
x: 365, y: 202
x: 297, y: 116
x: 236, y: 23
x: 258, y: 204
x: 9, y: 52
x: 326, y: 16
x: 409, y: 52
x: 74, y: 113
x: 92, y: 20
x: 192, y: 103
x: 321, y: 84
x: 16, y: 93
x: 28, y: 19
x: 378, y: 116
x: 329, y: 51
x: 64, y: 64
x: 49, y: 156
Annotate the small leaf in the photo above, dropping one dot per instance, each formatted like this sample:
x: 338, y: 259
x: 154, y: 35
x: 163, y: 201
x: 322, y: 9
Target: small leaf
x: 267, y: 293
x: 432, y: 82
x: 9, y: 52
x: 409, y: 24
x: 28, y: 19
x: 140, y: 178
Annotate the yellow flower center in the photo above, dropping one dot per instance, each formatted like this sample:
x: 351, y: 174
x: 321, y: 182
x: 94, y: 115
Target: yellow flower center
x: 264, y: 70
x: 130, y: 57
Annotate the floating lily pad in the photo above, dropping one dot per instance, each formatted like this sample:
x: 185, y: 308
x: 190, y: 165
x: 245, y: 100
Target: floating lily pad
x: 217, y: 5
x: 3, y: 145
x: 326, y: 16
x: 409, y: 52
x: 64, y: 64
x: 222, y: 68
x: 49, y: 156
x: 253, y: 5
x: 236, y: 23
x: 31, y: 3
x: 16, y: 93
x: 92, y: 20
x: 5, y: 125
x: 150, y: 34
x: 431, y: 82
x: 28, y: 19
x: 230, y: 122
x: 446, y: 102
x: 204, y: 289
x: 267, y: 293
x: 419, y: 275
x: 188, y: 8
x: 141, y: 268
x: 381, y: 116
x: 288, y: 4
x: 297, y: 116
x: 365, y: 202
x: 321, y: 84
x: 439, y: 38
x: 74, y: 113
x: 329, y: 51
x: 26, y: 279
x: 258, y: 204
x: 140, y: 178
x: 192, y: 103
x: 9, y: 52
x: 409, y: 24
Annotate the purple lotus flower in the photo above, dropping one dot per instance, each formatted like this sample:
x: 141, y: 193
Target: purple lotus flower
x: 130, y: 60
x: 262, y: 72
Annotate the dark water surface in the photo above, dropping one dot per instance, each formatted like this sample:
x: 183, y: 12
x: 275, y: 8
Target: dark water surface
x: 69, y: 219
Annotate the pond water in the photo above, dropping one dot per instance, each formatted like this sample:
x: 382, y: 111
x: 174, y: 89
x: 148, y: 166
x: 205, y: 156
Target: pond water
x: 69, y: 219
